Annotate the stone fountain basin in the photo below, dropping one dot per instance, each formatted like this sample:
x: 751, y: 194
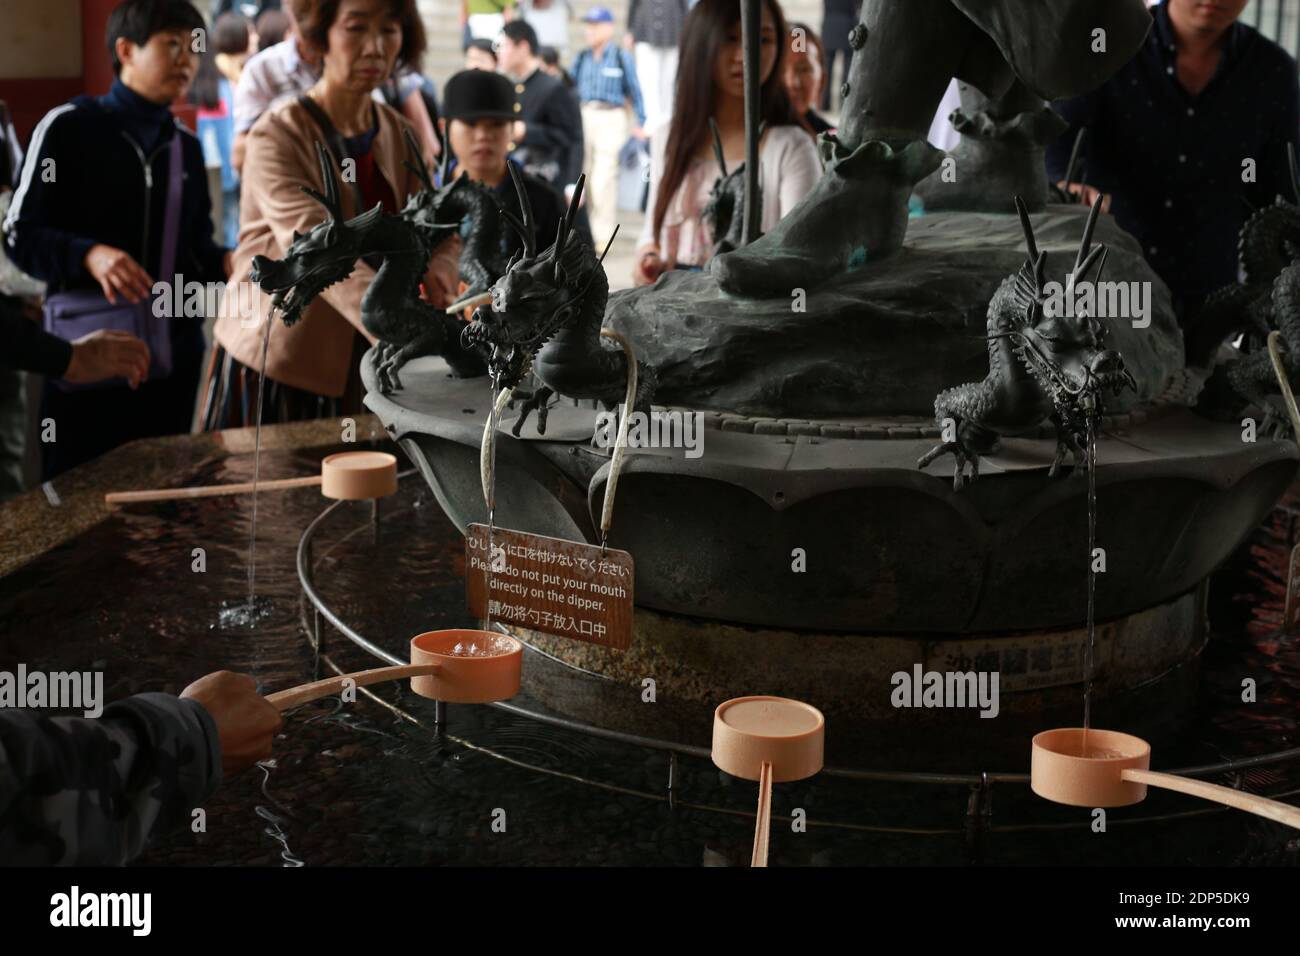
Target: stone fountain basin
x: 889, y: 549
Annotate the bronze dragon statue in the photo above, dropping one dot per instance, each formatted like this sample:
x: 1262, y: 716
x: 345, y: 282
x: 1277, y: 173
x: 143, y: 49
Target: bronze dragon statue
x: 723, y: 212
x: 1265, y: 298
x: 1042, y: 367
x: 546, y: 314
x: 401, y: 246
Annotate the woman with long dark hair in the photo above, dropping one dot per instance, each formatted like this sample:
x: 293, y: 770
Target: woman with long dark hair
x: 710, y: 84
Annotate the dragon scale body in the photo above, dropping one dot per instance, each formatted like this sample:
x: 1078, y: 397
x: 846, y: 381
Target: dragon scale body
x: 1042, y: 367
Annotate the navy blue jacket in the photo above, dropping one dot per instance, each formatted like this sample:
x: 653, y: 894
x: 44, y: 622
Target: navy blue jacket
x: 1173, y: 162
x: 101, y: 147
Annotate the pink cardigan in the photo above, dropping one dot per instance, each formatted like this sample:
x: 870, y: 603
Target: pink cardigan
x: 788, y: 166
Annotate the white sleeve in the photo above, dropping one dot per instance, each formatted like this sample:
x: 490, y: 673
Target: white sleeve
x: 799, y: 170
x: 252, y: 98
x: 657, y: 141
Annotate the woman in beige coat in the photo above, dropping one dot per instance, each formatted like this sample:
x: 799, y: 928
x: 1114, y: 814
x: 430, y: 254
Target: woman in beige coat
x: 312, y: 366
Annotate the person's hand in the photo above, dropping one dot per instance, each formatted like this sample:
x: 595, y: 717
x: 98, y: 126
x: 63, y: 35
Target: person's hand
x: 118, y: 274
x: 639, y: 133
x: 517, y: 131
x: 108, y: 353
x: 246, y: 721
x: 649, y: 267
x: 629, y: 41
x: 1089, y: 194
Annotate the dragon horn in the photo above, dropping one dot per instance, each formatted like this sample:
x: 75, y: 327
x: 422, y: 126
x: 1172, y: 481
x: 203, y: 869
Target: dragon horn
x: 717, y: 146
x: 515, y: 224
x: 592, y: 274
x: 1101, y: 266
x: 529, y: 223
x: 1073, y: 168
x: 418, y: 167
x: 1290, y: 164
x: 1082, y: 270
x: 444, y: 157
x: 330, y: 198
x: 1085, y: 244
x: 1025, y: 224
x: 566, y: 223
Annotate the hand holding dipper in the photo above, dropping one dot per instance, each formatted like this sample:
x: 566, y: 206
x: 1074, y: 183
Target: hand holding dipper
x: 456, y: 666
x: 246, y: 721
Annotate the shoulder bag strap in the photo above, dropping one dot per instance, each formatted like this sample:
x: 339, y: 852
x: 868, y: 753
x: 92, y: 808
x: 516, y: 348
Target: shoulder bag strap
x: 335, y: 143
x: 172, y: 213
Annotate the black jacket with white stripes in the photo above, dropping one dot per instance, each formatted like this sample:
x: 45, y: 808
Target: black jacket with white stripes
x: 96, y: 172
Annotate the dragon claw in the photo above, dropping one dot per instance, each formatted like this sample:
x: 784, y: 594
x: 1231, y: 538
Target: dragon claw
x: 533, y: 401
x: 961, y: 458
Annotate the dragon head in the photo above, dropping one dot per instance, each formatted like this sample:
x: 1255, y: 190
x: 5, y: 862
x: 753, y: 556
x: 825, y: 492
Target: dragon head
x: 1270, y: 239
x: 726, y: 201
x: 318, y: 259
x: 538, y: 294
x: 422, y: 208
x: 1064, y: 353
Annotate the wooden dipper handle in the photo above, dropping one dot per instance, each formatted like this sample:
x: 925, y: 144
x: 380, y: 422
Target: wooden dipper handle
x: 207, y: 491
x: 303, y: 693
x: 1250, y: 802
x: 763, y: 825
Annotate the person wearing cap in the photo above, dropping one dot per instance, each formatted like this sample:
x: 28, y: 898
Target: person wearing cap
x: 605, y: 75
x: 479, y: 109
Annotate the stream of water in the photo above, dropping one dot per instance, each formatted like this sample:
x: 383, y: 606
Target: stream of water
x: 1092, y: 581
x: 247, y: 613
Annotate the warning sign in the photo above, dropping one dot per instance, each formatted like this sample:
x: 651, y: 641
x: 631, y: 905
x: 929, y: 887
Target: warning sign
x: 567, y: 588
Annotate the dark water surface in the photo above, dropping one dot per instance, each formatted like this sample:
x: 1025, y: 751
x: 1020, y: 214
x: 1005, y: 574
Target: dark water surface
x: 373, y: 783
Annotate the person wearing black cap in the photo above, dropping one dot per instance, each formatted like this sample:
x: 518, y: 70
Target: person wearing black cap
x: 479, y: 108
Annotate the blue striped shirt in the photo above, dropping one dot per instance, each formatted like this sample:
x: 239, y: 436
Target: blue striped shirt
x: 610, y: 79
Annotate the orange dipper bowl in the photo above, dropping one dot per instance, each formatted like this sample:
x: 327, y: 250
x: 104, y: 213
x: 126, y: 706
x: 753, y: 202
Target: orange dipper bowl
x: 460, y: 667
x: 1115, y: 772
x: 768, y: 739
x: 358, y: 475
x: 751, y: 731
x: 1061, y: 772
x: 474, y: 667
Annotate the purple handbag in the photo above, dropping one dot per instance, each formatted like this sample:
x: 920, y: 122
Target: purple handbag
x: 70, y: 315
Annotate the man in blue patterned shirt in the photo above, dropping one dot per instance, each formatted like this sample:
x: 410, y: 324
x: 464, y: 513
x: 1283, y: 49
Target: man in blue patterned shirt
x: 605, y: 77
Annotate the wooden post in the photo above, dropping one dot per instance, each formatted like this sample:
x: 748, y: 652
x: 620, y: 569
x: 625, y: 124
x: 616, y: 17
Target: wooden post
x: 751, y: 20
